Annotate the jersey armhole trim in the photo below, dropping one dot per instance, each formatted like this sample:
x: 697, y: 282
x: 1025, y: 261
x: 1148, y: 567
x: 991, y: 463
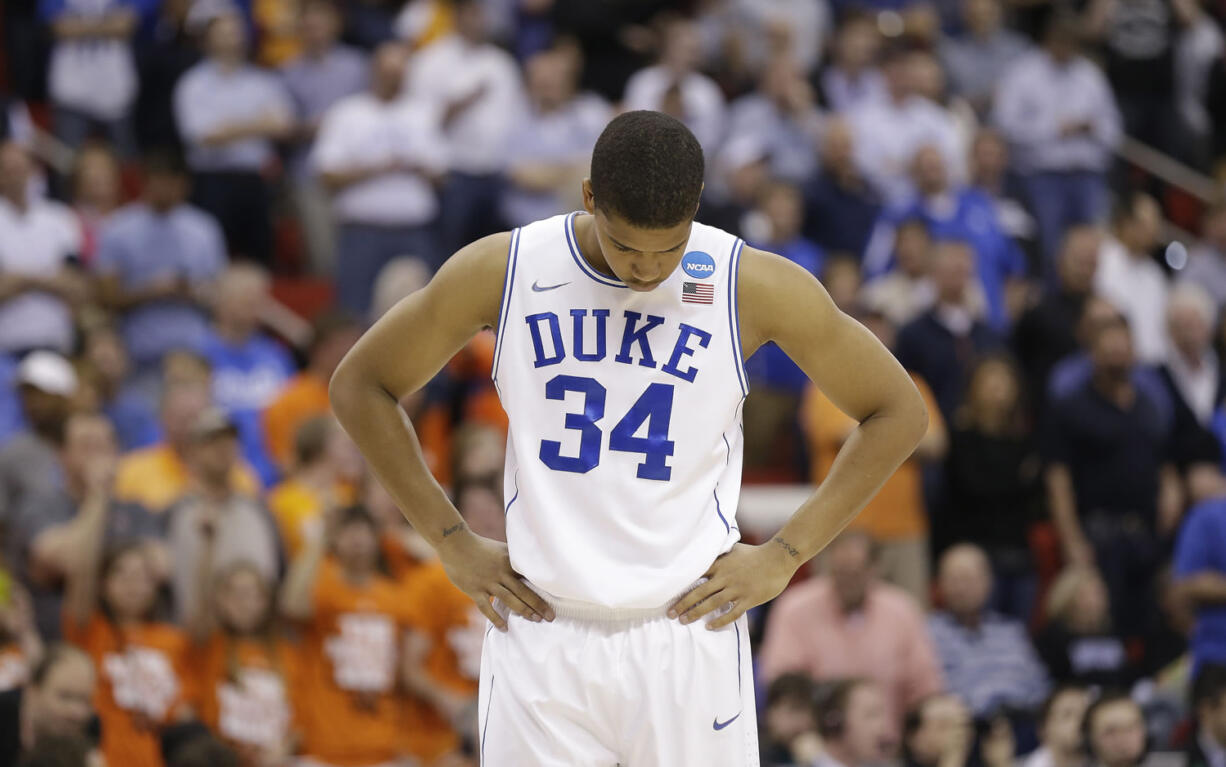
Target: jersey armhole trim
x: 508, y: 285
x: 734, y: 317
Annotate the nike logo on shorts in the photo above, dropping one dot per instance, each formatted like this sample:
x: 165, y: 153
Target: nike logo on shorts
x: 538, y: 288
x: 718, y: 725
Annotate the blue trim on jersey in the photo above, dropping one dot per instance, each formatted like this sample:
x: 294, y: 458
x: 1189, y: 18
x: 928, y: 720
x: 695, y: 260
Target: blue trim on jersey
x: 515, y: 497
x: 489, y: 704
x: 734, y: 317
x: 727, y: 527
x: 508, y: 281
x: 572, y: 242
x: 738, y: 657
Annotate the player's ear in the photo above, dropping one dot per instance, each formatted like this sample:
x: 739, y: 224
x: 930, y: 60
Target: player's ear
x: 589, y: 199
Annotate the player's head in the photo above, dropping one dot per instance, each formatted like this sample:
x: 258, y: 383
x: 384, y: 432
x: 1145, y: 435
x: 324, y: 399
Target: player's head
x: 643, y: 192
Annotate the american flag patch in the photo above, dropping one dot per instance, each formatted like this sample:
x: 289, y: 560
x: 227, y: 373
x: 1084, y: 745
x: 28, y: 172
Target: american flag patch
x: 696, y: 293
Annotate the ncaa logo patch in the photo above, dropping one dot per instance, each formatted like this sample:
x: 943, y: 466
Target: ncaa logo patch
x: 698, y: 265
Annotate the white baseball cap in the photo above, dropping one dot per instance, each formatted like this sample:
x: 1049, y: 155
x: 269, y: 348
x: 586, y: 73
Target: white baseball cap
x: 48, y: 372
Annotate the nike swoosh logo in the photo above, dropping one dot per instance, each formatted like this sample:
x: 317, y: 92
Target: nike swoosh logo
x: 718, y: 725
x: 538, y: 288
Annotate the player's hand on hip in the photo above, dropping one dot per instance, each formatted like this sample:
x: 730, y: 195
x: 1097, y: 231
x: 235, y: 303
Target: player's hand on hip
x: 481, y: 568
x: 744, y: 577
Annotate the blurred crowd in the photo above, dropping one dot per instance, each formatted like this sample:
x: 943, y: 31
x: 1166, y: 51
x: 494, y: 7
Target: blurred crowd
x: 198, y: 568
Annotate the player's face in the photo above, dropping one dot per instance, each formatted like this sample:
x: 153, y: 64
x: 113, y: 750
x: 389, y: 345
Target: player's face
x: 641, y: 258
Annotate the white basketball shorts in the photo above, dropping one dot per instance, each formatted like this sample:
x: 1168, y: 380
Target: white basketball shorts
x: 602, y: 688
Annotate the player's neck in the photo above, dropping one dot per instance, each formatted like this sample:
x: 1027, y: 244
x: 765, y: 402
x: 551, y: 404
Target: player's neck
x: 589, y: 244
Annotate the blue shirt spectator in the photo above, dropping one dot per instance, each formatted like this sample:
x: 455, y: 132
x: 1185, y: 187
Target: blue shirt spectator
x: 780, y: 215
x: 952, y: 213
x: 1200, y: 573
x: 987, y: 658
x: 249, y: 368
x: 325, y: 73
x: 11, y: 421
x: 157, y: 257
x: 551, y: 144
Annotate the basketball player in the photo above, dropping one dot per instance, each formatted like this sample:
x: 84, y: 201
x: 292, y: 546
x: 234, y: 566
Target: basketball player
x: 622, y: 332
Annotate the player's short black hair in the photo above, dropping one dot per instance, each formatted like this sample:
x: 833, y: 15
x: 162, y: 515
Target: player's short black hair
x: 647, y: 168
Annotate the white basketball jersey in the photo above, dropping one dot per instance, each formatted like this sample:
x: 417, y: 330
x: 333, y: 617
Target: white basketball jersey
x: 623, y: 461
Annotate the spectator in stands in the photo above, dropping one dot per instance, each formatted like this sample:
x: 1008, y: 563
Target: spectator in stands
x: 1047, y: 331
x: 987, y: 658
x: 477, y: 88
x: 245, y: 670
x: 327, y: 470
x: 42, y: 537
x: 789, y: 725
x: 1061, y: 743
x: 61, y: 751
x: 249, y: 368
x: 938, y: 731
x: 906, y: 291
x: 776, y: 382
x: 157, y: 477
x: 1078, y: 644
x: 21, y: 646
x: 953, y: 212
x: 1110, y: 484
x: 990, y: 174
x: 353, y: 618
x: 379, y: 154
x: 58, y: 700
x: 675, y: 86
x: 1207, y: 260
x: 1140, y: 65
x: 92, y: 75
x: 11, y: 419
x: 783, y: 115
x: 111, y: 611
x: 942, y: 344
x: 95, y: 193
x: 1128, y: 276
x: 240, y: 529
x: 852, y: 78
x: 1193, y: 379
x: 1208, y: 745
x: 157, y: 262
x: 229, y: 114
x: 306, y: 394
x: 1057, y: 109
x: 29, y: 466
x: 551, y: 145
x: 326, y: 72
x: 896, y: 517
x: 840, y: 206
x: 128, y: 408
x: 847, y: 622
x: 1115, y: 731
x: 1200, y: 578
x: 39, y: 242
x: 993, y: 480
x: 890, y: 131
x: 976, y: 59
x: 854, y: 722
x: 192, y: 745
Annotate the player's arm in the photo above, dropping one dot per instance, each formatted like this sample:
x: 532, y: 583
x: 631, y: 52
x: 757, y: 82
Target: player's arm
x: 398, y: 356
x: 781, y: 302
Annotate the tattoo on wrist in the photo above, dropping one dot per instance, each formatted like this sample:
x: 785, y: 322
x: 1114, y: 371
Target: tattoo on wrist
x: 453, y: 529
x: 789, y: 548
